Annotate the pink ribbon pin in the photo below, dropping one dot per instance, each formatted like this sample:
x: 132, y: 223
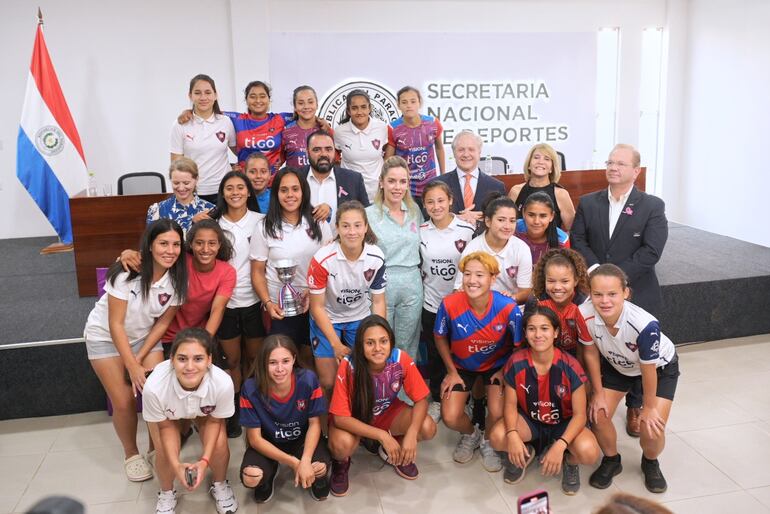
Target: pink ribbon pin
x: 628, y: 211
x: 342, y: 192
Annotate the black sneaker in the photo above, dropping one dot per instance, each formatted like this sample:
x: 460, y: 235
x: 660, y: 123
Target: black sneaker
x: 602, y: 477
x: 233, y: 426
x: 654, y: 480
x: 319, y: 490
x: 263, y: 493
x: 370, y: 445
x: 513, y: 474
x: 570, y: 478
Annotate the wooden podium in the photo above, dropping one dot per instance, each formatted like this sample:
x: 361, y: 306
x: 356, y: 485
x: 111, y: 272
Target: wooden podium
x: 103, y: 226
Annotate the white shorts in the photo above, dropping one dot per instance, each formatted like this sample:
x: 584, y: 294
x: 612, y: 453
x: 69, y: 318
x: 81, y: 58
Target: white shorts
x: 106, y: 349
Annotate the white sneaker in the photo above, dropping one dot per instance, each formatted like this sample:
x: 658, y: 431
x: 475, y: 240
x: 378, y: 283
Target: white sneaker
x: 466, y: 445
x: 224, y: 498
x: 434, y: 411
x: 166, y: 502
x: 490, y: 459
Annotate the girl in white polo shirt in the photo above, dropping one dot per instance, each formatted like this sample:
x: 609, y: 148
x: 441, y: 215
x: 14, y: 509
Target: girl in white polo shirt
x: 442, y: 240
x: 342, y: 277
x: 205, y: 138
x: 512, y: 254
x: 189, y: 387
x: 287, y: 233
x: 123, y: 330
x: 241, y: 323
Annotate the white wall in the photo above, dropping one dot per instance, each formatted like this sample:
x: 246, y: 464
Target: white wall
x: 124, y: 70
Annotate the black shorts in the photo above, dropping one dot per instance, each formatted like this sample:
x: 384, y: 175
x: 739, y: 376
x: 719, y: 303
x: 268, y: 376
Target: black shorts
x: 543, y: 434
x: 667, y: 378
x: 469, y: 378
x: 242, y: 322
x: 296, y: 327
x: 269, y: 467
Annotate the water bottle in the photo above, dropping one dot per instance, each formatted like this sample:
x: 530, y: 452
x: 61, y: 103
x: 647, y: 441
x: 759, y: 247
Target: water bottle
x: 92, y: 188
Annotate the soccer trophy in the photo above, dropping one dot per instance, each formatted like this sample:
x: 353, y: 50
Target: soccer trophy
x: 289, y: 299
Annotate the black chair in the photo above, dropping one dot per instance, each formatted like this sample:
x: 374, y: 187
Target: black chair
x: 141, y: 183
x: 563, y: 161
x: 494, y: 165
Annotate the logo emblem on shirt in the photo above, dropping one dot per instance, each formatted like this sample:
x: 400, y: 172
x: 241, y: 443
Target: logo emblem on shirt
x: 301, y: 405
x: 395, y: 386
x: 526, y: 388
x: 309, y: 232
x: 368, y: 274
x: 170, y: 411
x: 511, y: 271
x: 561, y: 391
x: 460, y: 245
x: 207, y: 409
x: 498, y: 328
x: 376, y: 144
x: 163, y: 298
x: 463, y: 327
x: 632, y: 346
x: 221, y: 136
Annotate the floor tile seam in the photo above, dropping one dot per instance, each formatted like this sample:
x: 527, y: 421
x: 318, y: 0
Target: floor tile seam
x: 29, y: 482
x: 713, y: 428
x: 718, y: 468
x: 739, y: 490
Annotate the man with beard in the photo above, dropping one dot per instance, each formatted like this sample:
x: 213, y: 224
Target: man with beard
x: 330, y: 185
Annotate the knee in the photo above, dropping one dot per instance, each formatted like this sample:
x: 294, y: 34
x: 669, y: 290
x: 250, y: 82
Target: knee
x: 251, y: 476
x: 428, y: 429
x: 451, y: 415
x: 497, y: 436
x: 124, y: 406
x: 341, y: 444
x: 586, y: 452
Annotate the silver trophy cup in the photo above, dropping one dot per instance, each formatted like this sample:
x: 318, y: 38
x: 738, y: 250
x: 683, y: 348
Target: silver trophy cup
x: 289, y: 299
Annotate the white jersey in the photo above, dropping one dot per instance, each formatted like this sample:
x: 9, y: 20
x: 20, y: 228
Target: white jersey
x: 206, y: 142
x: 164, y: 398
x: 440, y: 251
x: 296, y: 244
x: 347, y: 284
x: 515, y: 261
x: 638, y: 341
x: 240, y: 233
x: 141, y: 312
x: 362, y: 150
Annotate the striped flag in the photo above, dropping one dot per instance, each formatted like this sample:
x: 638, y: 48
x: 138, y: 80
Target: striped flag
x: 49, y: 159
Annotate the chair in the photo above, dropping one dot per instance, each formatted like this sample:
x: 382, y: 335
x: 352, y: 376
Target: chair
x: 142, y: 183
x: 563, y: 161
x: 494, y: 165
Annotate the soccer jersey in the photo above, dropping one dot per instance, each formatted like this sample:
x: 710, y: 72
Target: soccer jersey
x: 399, y: 373
x: 163, y: 397
x: 416, y: 146
x: 141, y: 312
x: 638, y: 341
x: 440, y: 250
x: 544, y: 398
x: 206, y: 142
x: 183, y: 214
x: 538, y: 249
x: 252, y: 135
x: 479, y: 343
x: 239, y: 233
x: 572, y: 328
x: 286, y: 419
x: 362, y: 150
x: 347, y: 284
x: 294, y: 243
x: 202, y: 288
x: 295, y: 144
x: 515, y: 261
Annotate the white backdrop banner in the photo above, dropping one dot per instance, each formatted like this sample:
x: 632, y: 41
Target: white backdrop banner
x: 514, y: 90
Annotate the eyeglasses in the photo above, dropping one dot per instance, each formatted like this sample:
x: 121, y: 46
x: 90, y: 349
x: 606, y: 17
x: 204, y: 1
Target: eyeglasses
x: 618, y: 164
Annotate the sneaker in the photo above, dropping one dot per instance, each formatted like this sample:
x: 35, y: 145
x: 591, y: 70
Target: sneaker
x: 602, y: 477
x: 263, y: 493
x: 407, y: 471
x: 319, y: 491
x: 513, y: 474
x: 490, y: 459
x: 654, y: 480
x: 166, y: 502
x: 224, y: 498
x: 340, y: 484
x: 466, y: 445
x: 434, y: 411
x: 570, y: 478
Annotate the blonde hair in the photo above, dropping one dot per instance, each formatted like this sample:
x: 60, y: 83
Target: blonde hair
x: 389, y: 164
x: 183, y: 164
x: 555, y: 174
x: 486, y: 260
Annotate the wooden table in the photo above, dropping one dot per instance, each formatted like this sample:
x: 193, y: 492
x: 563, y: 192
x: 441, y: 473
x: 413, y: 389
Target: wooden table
x: 103, y: 226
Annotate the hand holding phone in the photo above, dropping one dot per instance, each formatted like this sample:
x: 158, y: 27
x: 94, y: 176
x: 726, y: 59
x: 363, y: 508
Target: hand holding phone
x: 535, y: 502
x: 191, y: 475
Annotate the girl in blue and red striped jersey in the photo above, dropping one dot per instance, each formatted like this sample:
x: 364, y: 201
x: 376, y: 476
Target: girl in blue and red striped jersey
x: 475, y: 332
x: 537, y: 227
x: 280, y: 408
x: 545, y: 403
x: 303, y: 123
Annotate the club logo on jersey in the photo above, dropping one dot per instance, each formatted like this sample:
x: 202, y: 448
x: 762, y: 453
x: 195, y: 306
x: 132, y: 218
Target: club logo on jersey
x: 395, y: 386
x: 207, y: 409
x: 460, y: 245
x: 369, y: 274
x: 498, y: 327
x: 221, y: 136
x: 561, y: 391
x: 376, y: 144
x: 632, y: 346
x: 49, y: 140
x: 511, y: 271
x: 301, y: 404
x: 309, y: 232
x: 383, y: 103
x: 163, y: 298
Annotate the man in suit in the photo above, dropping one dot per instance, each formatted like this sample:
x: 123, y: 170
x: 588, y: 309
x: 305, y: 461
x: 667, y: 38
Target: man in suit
x: 626, y: 227
x: 470, y: 188
x: 330, y: 186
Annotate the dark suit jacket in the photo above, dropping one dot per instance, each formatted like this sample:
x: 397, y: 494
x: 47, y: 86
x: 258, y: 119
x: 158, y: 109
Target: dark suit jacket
x: 636, y: 243
x: 484, y: 187
x: 350, y: 185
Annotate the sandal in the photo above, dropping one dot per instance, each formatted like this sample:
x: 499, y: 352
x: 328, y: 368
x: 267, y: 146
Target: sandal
x: 137, y: 469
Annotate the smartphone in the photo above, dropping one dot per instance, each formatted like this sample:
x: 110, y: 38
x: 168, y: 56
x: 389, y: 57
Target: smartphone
x: 191, y: 475
x: 535, y: 502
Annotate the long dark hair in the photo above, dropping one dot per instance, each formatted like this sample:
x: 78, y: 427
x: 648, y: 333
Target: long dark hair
x: 225, y: 252
x: 205, y: 78
x: 262, y: 361
x: 178, y: 271
x: 349, y: 99
x: 362, y: 392
x: 494, y: 202
x: 551, y: 235
x: 274, y: 217
x: 251, y: 202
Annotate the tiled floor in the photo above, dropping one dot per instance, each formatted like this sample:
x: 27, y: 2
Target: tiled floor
x: 717, y: 458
